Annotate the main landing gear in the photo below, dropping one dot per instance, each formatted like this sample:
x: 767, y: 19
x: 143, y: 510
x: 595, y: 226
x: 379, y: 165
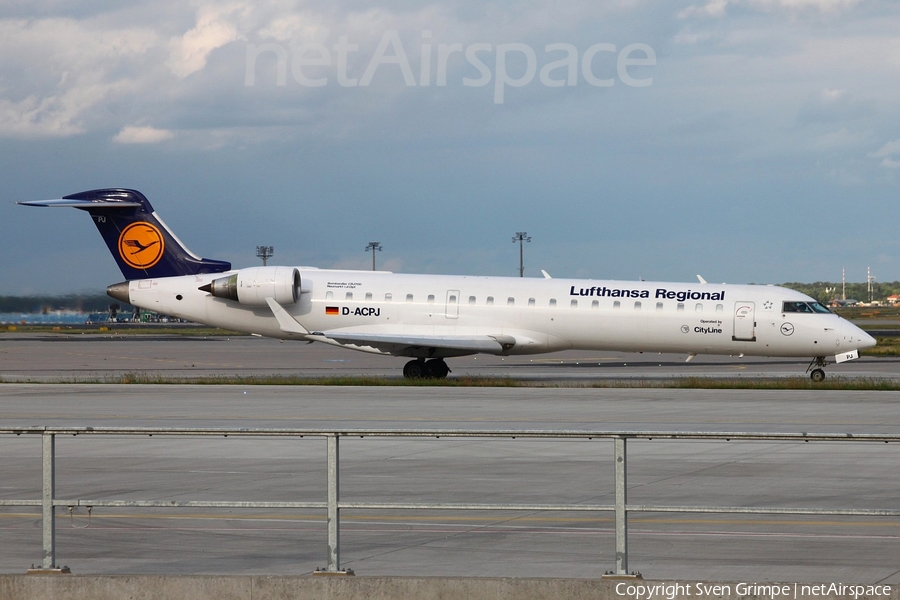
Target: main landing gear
x: 435, y: 368
x: 817, y: 374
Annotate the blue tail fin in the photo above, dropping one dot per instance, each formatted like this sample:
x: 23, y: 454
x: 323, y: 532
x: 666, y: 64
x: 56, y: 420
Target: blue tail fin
x: 141, y: 243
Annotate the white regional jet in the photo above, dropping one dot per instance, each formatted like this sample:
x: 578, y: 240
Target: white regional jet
x: 433, y: 317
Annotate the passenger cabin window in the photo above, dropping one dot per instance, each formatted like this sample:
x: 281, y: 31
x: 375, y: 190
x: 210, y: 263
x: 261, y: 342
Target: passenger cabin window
x: 388, y: 297
x: 595, y: 304
x: 490, y: 300
x: 552, y: 302
x: 430, y: 298
x: 349, y: 296
x: 409, y: 297
x: 573, y: 304
x: 637, y: 305
x: 452, y: 299
x: 659, y: 306
x: 329, y: 295
x: 680, y: 307
x: 368, y: 295
x: 531, y: 302
x: 471, y: 299
x: 510, y: 301
x: 617, y: 305
x: 720, y: 308
x: 698, y: 307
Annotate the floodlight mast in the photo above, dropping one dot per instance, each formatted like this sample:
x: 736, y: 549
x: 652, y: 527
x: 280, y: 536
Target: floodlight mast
x: 521, y: 237
x: 373, y: 246
x: 265, y: 253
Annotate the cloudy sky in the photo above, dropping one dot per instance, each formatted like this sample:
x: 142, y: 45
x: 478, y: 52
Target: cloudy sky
x: 745, y: 140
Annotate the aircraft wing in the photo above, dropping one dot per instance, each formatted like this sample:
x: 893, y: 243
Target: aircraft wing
x: 412, y: 345
x: 396, y: 344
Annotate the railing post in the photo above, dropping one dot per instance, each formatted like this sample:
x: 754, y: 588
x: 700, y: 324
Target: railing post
x: 333, y: 566
x: 48, y: 512
x: 621, y: 512
x: 334, y: 513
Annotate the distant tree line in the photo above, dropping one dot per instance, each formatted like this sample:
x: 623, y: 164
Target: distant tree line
x: 43, y: 304
x: 825, y: 292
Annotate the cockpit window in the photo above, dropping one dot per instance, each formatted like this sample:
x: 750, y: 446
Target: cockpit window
x: 804, y: 307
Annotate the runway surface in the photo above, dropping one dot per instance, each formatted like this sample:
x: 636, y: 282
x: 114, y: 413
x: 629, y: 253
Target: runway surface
x: 93, y: 357
x: 533, y: 544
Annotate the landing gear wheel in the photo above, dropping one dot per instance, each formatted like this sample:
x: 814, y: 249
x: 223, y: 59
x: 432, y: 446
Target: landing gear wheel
x: 815, y: 369
x: 436, y: 368
x: 414, y: 369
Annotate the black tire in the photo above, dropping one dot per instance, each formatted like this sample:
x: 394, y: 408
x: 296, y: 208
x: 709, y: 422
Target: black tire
x: 436, y: 368
x: 414, y: 369
x: 817, y: 375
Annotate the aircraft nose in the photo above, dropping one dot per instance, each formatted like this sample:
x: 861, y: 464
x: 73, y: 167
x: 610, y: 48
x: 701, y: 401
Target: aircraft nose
x: 867, y: 340
x: 857, y: 338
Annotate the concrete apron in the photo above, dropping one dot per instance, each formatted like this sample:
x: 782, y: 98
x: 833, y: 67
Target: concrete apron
x: 214, y: 587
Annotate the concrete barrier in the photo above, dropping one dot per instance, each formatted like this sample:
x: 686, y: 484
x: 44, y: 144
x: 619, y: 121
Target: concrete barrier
x: 214, y: 587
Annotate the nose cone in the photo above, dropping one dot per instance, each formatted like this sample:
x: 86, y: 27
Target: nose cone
x: 855, y: 337
x: 119, y: 291
x: 867, y: 341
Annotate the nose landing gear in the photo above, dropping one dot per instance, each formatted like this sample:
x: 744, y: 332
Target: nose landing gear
x: 435, y: 368
x: 815, y: 369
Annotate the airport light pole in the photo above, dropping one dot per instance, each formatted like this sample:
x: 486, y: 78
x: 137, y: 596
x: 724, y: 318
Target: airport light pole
x: 265, y: 253
x: 521, y: 237
x: 373, y: 246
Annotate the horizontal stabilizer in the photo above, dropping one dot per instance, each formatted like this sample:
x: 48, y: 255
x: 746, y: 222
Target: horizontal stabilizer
x: 76, y: 203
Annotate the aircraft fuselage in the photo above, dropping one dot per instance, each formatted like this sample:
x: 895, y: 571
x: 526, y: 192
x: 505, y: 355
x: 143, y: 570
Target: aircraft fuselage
x: 540, y: 315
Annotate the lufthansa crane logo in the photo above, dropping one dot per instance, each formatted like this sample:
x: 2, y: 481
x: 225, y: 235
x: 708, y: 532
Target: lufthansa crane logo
x: 141, y: 245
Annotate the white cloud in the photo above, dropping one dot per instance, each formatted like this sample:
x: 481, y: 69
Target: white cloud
x: 718, y: 8
x: 214, y: 29
x: 54, y: 72
x: 842, y: 138
x: 890, y: 155
x: 824, y: 6
x: 142, y: 135
x: 712, y: 9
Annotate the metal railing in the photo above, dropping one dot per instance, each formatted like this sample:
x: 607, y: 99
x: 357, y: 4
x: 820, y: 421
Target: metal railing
x: 333, y: 504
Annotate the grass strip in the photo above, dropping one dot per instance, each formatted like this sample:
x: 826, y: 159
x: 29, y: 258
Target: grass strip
x: 703, y: 383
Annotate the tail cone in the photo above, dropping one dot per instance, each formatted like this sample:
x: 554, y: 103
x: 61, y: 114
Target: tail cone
x: 119, y: 291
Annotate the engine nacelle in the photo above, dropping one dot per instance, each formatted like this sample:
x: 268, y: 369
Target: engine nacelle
x: 252, y: 286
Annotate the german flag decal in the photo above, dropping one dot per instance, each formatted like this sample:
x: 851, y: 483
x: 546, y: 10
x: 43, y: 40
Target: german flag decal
x: 332, y: 310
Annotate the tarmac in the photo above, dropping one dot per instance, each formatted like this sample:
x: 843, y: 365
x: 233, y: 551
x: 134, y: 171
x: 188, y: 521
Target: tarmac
x: 442, y: 543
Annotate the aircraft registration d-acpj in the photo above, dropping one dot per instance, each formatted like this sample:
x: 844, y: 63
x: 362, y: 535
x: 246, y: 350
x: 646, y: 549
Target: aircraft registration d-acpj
x: 434, y: 317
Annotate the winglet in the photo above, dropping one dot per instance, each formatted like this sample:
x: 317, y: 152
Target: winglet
x: 546, y: 274
x: 701, y: 279
x: 286, y: 322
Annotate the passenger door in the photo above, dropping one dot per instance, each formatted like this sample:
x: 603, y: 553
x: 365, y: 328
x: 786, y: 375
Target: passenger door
x: 744, y: 322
